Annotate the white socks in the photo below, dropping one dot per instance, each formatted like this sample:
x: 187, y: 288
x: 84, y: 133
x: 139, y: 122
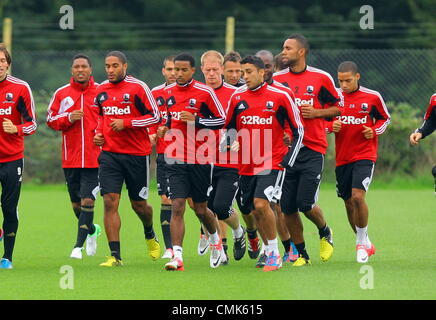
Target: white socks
x: 362, y: 236
x: 178, y: 252
x: 237, y: 233
x: 214, y: 238
x: 272, y: 246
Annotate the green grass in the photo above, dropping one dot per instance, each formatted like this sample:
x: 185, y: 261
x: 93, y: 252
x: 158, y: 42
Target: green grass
x: 401, y: 226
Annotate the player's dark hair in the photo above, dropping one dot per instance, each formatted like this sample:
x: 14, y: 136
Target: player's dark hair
x: 301, y: 40
x: 185, y: 57
x: 82, y: 56
x: 232, y: 56
x: 256, y: 61
x: 348, y: 66
x: 169, y: 58
x: 119, y: 55
x: 6, y: 52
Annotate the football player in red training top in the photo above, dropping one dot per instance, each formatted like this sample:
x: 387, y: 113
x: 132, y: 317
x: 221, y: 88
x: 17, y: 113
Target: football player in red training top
x: 232, y: 69
x: 317, y: 99
x: 363, y: 118
x: 74, y: 112
x: 291, y: 253
x: 161, y: 171
x: 225, y: 175
x: 127, y: 108
x: 258, y: 112
x: 17, y: 117
x: 427, y: 128
x: 193, y: 111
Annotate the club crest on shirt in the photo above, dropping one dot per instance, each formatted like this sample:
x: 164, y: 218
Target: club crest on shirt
x: 126, y: 97
x: 9, y: 96
x: 192, y: 102
x: 269, y: 104
x: 364, y: 106
x: 309, y: 89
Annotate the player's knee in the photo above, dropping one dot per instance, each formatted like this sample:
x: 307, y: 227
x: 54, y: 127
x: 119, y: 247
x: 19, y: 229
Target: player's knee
x: 110, y: 201
x: 87, y: 202
x: 177, y: 207
x: 165, y: 200
x: 358, y: 198
x: 141, y: 208
x: 223, y: 212
x: 261, y: 205
x: 222, y: 209
x: 306, y: 207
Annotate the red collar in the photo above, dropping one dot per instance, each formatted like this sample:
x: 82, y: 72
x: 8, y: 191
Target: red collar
x: 79, y: 87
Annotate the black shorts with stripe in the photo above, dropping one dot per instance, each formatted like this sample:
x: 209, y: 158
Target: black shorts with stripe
x: 267, y: 186
x: 186, y: 180
x: 117, y: 168
x: 161, y: 175
x: 225, y: 182
x: 302, y: 182
x: 11, y: 177
x: 355, y: 175
x: 82, y: 183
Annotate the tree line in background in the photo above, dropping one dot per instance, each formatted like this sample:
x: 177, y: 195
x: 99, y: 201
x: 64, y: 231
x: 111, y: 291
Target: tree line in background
x: 149, y: 30
x: 190, y: 24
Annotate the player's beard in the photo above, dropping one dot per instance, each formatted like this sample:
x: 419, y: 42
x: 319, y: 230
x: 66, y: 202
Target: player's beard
x: 291, y: 62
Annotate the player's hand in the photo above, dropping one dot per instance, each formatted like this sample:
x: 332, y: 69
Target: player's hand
x: 286, y: 139
x: 187, y: 116
x: 235, y: 146
x: 75, y: 115
x: 415, y: 137
x: 161, y: 131
x: 98, y: 139
x: 337, y: 125
x: 152, y: 139
x: 367, y: 132
x: 117, y: 125
x: 9, y: 127
x: 309, y: 112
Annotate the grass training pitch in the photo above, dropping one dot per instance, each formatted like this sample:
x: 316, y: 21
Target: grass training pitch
x: 401, y: 225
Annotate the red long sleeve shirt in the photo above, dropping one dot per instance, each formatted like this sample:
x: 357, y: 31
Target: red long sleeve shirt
x: 224, y: 159
x: 132, y: 101
x: 429, y: 124
x: 316, y: 88
x: 363, y: 107
x: 259, y: 116
x: 187, y: 142
x: 78, y: 148
x: 19, y: 107
x: 159, y: 95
